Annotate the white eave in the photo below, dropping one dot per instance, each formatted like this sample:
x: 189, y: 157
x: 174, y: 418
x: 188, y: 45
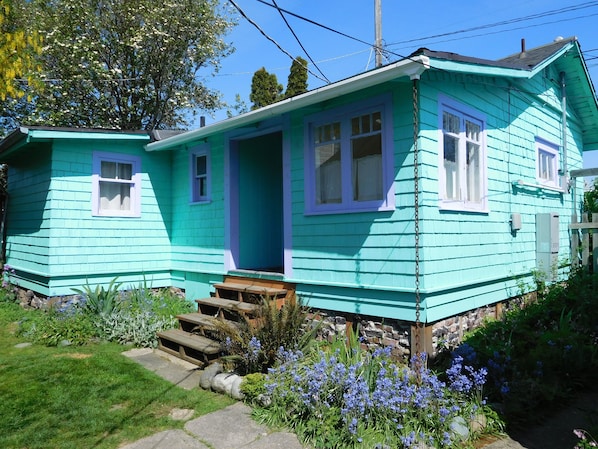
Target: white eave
x: 412, y: 68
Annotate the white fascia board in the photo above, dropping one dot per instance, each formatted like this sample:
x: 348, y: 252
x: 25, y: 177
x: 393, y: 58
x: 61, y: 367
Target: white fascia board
x: 411, y: 68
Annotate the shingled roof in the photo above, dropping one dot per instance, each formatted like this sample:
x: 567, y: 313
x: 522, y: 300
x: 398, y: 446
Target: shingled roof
x: 524, y: 60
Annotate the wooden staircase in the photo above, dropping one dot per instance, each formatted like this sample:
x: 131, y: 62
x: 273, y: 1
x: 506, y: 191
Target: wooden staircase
x: 197, y: 339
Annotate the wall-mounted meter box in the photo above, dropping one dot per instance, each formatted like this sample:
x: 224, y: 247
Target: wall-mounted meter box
x: 547, y: 244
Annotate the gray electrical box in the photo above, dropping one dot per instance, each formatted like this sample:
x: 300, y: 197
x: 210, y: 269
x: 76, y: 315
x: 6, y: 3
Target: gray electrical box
x: 547, y: 244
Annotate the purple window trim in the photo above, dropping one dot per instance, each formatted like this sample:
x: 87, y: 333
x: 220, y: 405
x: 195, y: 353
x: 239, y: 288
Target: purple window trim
x: 344, y: 114
x: 135, y: 161
x: 194, y: 152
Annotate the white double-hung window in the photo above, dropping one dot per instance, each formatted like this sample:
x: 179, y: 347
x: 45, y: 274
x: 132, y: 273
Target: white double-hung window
x: 116, y: 185
x: 200, y: 174
x: 349, y: 159
x: 547, y: 166
x: 462, y: 173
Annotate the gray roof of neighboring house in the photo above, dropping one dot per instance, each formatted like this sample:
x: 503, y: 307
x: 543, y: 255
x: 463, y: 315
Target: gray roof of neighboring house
x: 20, y: 136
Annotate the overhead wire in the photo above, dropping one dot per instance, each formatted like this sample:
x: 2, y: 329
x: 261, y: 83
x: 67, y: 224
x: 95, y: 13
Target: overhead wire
x: 299, y: 41
x: 506, y: 22
x: 503, y: 22
x: 512, y: 29
x: 530, y: 17
x: 246, y: 17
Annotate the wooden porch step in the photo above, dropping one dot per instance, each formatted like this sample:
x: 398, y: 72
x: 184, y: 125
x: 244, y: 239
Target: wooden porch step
x: 191, y: 321
x: 228, y: 304
x: 190, y: 347
x: 251, y: 289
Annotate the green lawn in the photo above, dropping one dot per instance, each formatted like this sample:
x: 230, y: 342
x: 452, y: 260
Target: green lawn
x: 82, y: 397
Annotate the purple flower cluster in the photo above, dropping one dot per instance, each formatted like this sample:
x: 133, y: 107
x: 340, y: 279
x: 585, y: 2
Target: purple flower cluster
x: 7, y: 273
x: 464, y: 378
x: 372, y: 391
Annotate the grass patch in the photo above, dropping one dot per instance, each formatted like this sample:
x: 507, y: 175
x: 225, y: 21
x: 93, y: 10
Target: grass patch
x: 82, y: 397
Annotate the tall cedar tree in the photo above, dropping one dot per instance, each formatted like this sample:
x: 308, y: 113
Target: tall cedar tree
x: 265, y: 89
x: 127, y: 64
x: 297, y: 81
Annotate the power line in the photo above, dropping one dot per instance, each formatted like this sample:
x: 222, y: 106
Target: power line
x: 512, y: 29
x: 504, y: 22
x: 269, y: 38
x: 313, y: 22
x: 299, y: 41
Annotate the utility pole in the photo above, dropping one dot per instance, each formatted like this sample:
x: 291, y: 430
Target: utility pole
x: 378, y: 21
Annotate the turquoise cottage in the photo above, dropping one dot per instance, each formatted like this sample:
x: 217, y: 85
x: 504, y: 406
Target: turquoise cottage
x: 319, y: 191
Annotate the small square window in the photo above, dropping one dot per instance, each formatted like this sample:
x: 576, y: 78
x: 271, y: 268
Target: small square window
x: 200, y: 174
x: 547, y: 165
x: 116, y: 185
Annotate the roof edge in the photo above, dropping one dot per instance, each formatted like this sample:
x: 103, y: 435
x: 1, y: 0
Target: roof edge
x: 411, y: 67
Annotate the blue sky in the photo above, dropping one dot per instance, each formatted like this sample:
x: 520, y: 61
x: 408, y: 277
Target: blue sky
x: 406, y: 26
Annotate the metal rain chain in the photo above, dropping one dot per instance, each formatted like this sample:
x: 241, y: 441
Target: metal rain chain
x: 416, y: 224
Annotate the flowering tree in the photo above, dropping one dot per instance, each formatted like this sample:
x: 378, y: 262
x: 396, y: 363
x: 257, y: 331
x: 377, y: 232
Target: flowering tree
x: 17, y: 50
x: 127, y: 64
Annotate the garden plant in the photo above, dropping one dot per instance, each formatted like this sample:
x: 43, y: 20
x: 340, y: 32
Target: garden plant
x: 539, y: 355
x: 129, y: 317
x: 339, y: 396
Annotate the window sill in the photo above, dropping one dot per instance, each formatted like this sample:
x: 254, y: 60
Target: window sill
x: 522, y: 185
x: 112, y: 215
x: 195, y: 203
x: 331, y: 211
x: 461, y: 207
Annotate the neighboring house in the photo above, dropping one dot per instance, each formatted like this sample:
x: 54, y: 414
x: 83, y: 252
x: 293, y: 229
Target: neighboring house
x: 319, y: 190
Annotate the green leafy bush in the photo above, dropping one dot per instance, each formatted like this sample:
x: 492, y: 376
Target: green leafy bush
x: 253, y: 345
x: 127, y: 317
x: 253, y: 386
x: 132, y: 328
x: 53, y: 328
x: 138, y: 314
x: 100, y: 300
x: 539, y: 355
x: 8, y: 292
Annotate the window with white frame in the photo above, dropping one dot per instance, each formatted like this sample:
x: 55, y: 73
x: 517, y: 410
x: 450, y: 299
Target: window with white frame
x: 349, y: 159
x: 200, y: 174
x: 462, y: 164
x: 547, y: 167
x: 116, y: 185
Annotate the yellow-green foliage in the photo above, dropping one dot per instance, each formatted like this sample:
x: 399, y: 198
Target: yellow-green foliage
x: 17, y: 54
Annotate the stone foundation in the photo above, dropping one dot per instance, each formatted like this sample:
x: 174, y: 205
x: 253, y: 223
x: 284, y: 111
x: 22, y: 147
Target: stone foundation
x: 399, y: 335
x: 373, y: 332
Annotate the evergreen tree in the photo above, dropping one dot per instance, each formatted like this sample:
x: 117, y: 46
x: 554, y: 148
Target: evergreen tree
x: 265, y: 89
x: 297, y: 81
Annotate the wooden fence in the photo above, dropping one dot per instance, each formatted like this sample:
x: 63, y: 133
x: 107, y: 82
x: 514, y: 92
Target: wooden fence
x: 584, y: 246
